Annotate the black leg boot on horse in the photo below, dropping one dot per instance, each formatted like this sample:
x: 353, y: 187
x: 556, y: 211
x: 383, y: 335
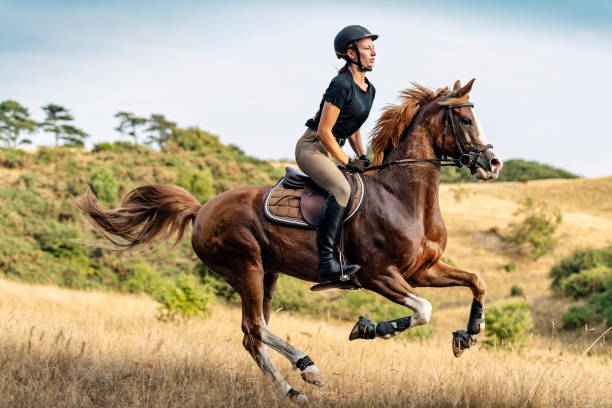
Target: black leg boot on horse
x: 330, y: 268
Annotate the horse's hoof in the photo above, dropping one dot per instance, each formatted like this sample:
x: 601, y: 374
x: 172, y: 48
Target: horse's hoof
x: 363, y: 329
x: 462, y: 340
x: 297, y: 396
x: 312, y: 376
x: 457, y: 350
x: 355, y: 332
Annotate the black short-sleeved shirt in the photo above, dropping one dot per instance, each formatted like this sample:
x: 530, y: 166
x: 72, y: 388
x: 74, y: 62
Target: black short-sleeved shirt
x: 353, y: 102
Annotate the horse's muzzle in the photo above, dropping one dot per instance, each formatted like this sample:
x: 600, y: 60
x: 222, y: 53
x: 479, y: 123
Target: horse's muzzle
x: 488, y: 165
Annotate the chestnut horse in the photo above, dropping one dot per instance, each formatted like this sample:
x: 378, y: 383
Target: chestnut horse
x: 398, y: 237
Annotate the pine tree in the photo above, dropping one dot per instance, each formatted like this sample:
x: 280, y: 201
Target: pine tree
x: 62, y: 131
x: 128, y: 124
x: 160, y: 130
x: 15, y: 119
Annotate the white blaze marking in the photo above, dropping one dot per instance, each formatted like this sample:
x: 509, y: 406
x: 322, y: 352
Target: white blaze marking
x: 480, y: 135
x: 421, y: 307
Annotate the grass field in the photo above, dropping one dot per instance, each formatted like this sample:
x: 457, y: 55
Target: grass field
x: 65, y: 348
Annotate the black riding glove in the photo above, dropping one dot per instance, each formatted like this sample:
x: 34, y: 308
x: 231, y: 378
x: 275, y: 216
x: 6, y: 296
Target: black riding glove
x: 364, y: 157
x: 357, y: 166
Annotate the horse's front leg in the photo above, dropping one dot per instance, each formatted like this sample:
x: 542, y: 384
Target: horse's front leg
x: 443, y: 275
x: 393, y: 286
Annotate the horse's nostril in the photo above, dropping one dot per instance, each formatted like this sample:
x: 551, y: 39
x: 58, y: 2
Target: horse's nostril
x: 495, y: 164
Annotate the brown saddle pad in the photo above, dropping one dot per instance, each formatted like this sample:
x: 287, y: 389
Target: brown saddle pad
x: 302, y: 206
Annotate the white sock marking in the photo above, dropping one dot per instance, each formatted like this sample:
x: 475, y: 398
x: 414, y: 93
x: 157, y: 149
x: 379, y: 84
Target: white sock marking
x: 421, y: 308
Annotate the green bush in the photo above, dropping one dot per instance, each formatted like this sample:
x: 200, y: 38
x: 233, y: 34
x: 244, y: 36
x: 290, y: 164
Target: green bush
x: 535, y: 231
x: 104, y: 147
x: 59, y: 240
x: 586, y: 273
x: 510, y: 267
x: 12, y: 158
x: 197, y: 182
x: 118, y: 146
x: 588, y: 281
x: 522, y: 170
x: 578, y: 316
x: 508, y: 326
x: 516, y: 291
x: 104, y: 184
x: 580, y: 260
x: 601, y: 303
x: 184, y: 297
x: 144, y: 278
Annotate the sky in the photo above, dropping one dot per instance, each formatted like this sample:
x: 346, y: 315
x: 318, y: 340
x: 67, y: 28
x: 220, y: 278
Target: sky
x: 253, y: 72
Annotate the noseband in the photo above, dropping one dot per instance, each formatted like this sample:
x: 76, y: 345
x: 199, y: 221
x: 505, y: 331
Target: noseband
x: 468, y: 155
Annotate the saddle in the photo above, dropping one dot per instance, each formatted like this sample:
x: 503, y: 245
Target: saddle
x: 297, y: 201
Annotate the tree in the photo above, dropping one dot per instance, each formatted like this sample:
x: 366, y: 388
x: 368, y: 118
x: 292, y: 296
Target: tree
x: 73, y: 135
x: 15, y: 119
x: 62, y: 131
x: 160, y: 130
x: 128, y: 124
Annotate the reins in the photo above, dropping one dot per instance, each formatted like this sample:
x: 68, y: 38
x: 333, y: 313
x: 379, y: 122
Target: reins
x: 466, y: 158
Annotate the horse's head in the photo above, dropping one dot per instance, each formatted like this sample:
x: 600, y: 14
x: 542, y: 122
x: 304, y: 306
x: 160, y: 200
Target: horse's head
x: 462, y: 137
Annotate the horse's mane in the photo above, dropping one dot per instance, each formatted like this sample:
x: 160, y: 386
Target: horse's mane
x: 396, y: 118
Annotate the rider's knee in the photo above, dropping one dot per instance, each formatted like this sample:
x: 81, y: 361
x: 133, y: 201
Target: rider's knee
x: 343, y: 194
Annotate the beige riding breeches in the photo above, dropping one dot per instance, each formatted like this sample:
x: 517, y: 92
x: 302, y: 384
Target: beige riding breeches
x: 315, y: 161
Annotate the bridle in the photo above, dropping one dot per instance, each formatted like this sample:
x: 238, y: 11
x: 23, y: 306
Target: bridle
x: 468, y: 155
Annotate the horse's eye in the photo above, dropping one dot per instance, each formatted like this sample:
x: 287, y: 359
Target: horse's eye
x: 466, y: 121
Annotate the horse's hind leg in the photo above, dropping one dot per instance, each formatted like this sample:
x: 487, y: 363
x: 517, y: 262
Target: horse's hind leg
x: 256, y: 334
x: 309, y: 371
x: 270, y: 279
x: 393, y: 286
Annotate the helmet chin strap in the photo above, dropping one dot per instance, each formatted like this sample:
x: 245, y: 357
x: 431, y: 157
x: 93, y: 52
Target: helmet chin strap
x: 358, y: 63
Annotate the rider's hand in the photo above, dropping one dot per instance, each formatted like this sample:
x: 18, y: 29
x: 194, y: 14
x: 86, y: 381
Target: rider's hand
x: 364, y: 157
x: 357, y: 166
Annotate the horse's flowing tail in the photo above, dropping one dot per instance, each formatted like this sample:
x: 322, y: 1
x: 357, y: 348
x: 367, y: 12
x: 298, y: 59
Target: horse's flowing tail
x: 144, y: 213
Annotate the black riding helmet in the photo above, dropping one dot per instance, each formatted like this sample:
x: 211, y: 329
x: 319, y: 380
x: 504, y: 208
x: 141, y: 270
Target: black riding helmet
x: 350, y: 35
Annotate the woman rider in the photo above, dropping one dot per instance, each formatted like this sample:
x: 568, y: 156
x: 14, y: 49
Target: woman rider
x: 345, y: 106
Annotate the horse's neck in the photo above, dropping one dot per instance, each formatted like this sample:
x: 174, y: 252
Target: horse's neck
x: 416, y: 185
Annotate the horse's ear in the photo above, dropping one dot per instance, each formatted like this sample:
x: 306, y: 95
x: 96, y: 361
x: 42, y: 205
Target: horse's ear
x: 457, y: 85
x: 465, y: 90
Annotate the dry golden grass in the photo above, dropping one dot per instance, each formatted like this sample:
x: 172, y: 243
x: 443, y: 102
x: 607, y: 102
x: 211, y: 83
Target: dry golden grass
x: 63, y: 348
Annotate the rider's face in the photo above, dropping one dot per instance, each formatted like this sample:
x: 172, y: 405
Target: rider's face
x: 366, y: 52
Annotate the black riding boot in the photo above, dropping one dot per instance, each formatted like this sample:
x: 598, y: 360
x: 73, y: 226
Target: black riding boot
x: 329, y: 231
